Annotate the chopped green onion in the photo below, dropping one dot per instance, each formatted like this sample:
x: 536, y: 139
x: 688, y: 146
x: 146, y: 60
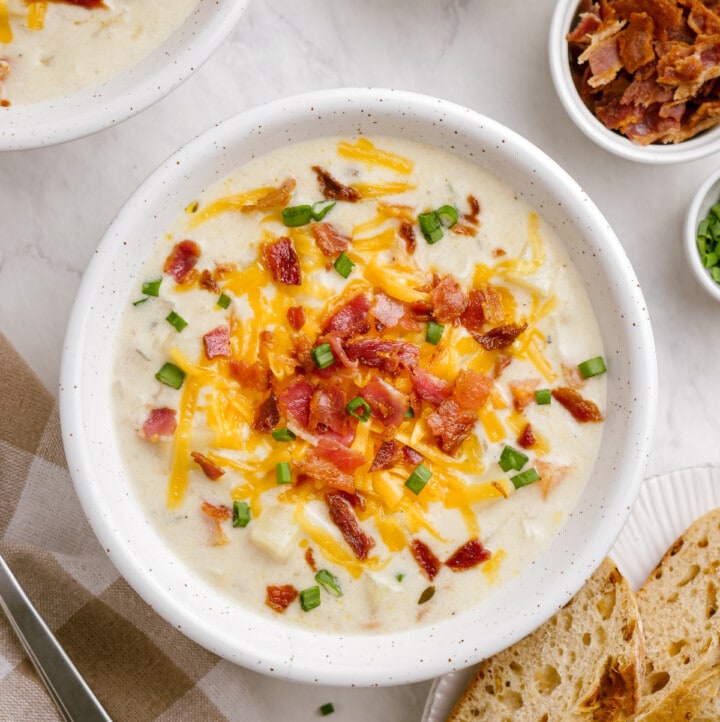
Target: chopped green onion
x: 417, y: 480
x: 192, y: 207
x: 715, y: 273
x: 512, y: 459
x: 294, y: 216
x: 223, y: 300
x: 400, y: 577
x: 152, y: 288
x: 171, y: 375
x: 241, y: 513
x: 177, y: 321
x: 321, y: 209
x: 430, y: 226
x: 434, y: 332
x: 448, y: 215
x: 592, y: 367
x: 329, y: 582
x: 282, y: 472
x: 140, y: 300
x: 283, y: 435
x: 343, y: 265
x: 708, y: 242
x: 326, y: 709
x: 322, y: 355
x: 359, y: 408
x: 409, y: 413
x: 310, y: 598
x: 523, y: 479
x: 427, y: 595
x: 543, y: 396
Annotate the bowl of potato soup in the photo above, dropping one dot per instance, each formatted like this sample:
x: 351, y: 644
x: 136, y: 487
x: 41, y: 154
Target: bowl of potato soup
x: 68, y: 69
x: 358, y: 388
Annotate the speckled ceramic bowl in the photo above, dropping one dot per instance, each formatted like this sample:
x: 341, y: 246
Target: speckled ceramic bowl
x: 270, y: 646
x: 563, y: 20
x: 127, y: 93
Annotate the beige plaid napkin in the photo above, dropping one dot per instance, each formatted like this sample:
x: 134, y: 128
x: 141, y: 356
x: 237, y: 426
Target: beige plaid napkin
x: 138, y: 665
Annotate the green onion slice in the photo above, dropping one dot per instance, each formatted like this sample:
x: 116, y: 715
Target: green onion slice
x: 171, y: 375
x: 592, y: 367
x: 448, y: 215
x: 152, y: 288
x: 223, y: 300
x: 294, y: 216
x: 176, y: 320
x: 427, y: 595
x: 418, y: 479
x: 322, y: 355
x: 543, y: 396
x: 409, y: 413
x: 400, y: 576
x: 321, y: 209
x: 343, y: 265
x: 310, y: 598
x: 329, y: 582
x: 140, y: 300
x: 430, y: 226
x: 512, y: 459
x: 326, y: 709
x: 434, y: 332
x: 241, y: 514
x: 282, y: 472
x: 283, y: 435
x: 524, y: 478
x: 359, y: 408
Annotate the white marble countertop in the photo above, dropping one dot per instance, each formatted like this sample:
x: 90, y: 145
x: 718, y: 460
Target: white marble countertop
x: 55, y: 203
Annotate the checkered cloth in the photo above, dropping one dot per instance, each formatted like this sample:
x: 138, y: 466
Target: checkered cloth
x: 138, y: 665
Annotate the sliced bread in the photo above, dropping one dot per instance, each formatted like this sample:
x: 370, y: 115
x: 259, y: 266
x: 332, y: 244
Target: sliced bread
x: 585, y: 663
x: 678, y: 605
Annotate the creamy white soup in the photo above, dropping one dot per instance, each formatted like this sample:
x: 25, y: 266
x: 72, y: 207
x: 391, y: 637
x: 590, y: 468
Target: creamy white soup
x: 51, y: 48
x: 359, y: 385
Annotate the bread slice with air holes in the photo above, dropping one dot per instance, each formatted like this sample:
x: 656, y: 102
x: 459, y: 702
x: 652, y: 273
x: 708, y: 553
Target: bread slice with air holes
x: 678, y: 605
x: 584, y: 664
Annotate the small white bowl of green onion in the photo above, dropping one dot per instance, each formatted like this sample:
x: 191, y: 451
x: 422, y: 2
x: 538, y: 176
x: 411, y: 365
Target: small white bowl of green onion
x: 702, y: 235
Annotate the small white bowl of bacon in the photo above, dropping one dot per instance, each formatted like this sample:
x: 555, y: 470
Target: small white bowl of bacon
x: 345, y: 419
x: 638, y: 78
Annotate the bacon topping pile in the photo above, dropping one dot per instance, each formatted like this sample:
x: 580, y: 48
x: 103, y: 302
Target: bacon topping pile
x: 647, y: 69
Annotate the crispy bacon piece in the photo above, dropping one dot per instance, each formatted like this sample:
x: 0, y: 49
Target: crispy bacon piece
x: 216, y: 511
x: 210, y: 468
x: 338, y: 351
x: 323, y: 464
x: 582, y: 409
x: 327, y: 410
x: 182, y: 260
x: 472, y: 389
x: 333, y: 189
x: 296, y: 317
x: 310, y: 559
x: 523, y: 392
x: 551, y: 475
x: 276, y: 198
x: 603, y: 55
x: 344, y: 458
x: 343, y: 517
x: 500, y: 336
x: 267, y: 414
x: 217, y: 342
x: 411, y: 456
x: 635, y: 42
x: 90, y: 4
x: 295, y: 402
x: 430, y: 387
x: 388, y: 454
x: 329, y: 240
x: 250, y: 376
x: 280, y: 597
x: 473, y: 317
x: 501, y: 363
x: 572, y: 376
x: 385, y: 354
x: 448, y: 300
x: 427, y: 561
x: 208, y: 282
x: 527, y: 437
x: 388, y: 311
x: 467, y: 556
x: 451, y: 425
x: 386, y: 403
x: 472, y: 215
x: 160, y: 424
x: 407, y: 233
x: 282, y: 261
x: 351, y: 319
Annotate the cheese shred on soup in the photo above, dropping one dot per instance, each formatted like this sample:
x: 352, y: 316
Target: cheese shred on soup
x: 352, y: 385
x: 52, y: 48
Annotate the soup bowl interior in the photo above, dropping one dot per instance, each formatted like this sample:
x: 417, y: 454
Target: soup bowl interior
x: 92, y: 109
x: 188, y: 601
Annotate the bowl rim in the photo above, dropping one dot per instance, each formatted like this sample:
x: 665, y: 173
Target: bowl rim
x: 380, y: 663
x: 92, y: 109
x: 701, y: 203
x: 700, y: 146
